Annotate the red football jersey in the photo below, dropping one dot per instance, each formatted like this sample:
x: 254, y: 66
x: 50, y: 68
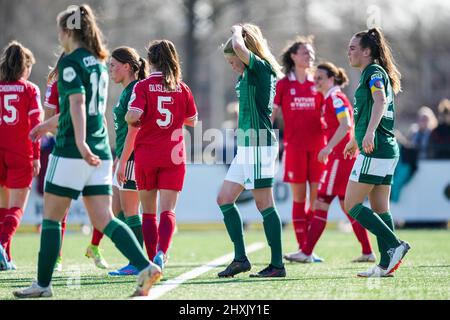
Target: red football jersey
x: 163, y: 113
x: 336, y: 106
x: 52, y: 96
x: 20, y: 111
x: 300, y: 104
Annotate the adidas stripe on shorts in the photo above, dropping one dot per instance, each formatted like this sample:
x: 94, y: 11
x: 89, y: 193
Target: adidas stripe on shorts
x: 373, y: 170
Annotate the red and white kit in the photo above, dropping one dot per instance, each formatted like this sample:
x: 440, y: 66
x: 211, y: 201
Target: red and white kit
x: 159, y: 149
x: 20, y: 111
x: 303, y: 133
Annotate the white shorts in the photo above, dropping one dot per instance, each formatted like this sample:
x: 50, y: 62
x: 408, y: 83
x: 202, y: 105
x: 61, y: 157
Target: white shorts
x: 67, y: 177
x: 373, y: 170
x: 130, y: 184
x: 253, y: 167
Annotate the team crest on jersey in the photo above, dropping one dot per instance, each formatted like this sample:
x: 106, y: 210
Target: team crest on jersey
x: 69, y: 74
x: 293, y: 92
x: 337, y: 103
x: 313, y: 90
x: 132, y: 98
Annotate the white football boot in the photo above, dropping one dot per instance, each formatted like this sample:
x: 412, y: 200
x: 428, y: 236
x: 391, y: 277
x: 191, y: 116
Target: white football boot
x: 34, y: 291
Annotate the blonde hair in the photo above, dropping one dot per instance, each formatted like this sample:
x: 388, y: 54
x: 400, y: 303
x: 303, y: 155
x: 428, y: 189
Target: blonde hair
x: 427, y: 112
x: 256, y: 43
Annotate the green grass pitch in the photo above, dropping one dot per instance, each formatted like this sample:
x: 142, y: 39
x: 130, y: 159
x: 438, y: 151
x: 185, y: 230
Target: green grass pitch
x: 425, y: 273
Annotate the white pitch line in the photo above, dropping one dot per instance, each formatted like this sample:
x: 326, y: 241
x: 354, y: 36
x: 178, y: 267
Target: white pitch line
x: 169, y: 285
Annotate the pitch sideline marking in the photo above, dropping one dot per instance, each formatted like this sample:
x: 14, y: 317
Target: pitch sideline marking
x: 157, y: 291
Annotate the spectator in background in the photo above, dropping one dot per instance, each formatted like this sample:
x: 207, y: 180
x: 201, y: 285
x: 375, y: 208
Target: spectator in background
x: 439, y: 144
x: 420, y: 132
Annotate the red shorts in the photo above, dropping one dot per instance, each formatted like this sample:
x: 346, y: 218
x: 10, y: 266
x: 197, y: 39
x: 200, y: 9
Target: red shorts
x: 334, y: 179
x: 16, y: 171
x: 301, y: 165
x: 167, y: 178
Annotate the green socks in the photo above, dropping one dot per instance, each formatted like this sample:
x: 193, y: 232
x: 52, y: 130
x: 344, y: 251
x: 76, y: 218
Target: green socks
x: 49, y: 251
x: 272, y: 229
x: 135, y: 224
x: 372, y: 222
x: 126, y: 242
x: 121, y: 216
x: 233, y: 223
x: 382, y: 246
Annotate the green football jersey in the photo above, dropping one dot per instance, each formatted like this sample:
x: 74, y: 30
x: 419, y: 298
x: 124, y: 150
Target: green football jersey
x: 81, y: 72
x: 119, y: 112
x: 256, y: 90
x: 385, y: 145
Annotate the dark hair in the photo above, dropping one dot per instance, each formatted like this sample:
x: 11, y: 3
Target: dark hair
x: 381, y: 54
x: 53, y: 74
x: 88, y: 33
x: 163, y: 56
x: 286, y: 60
x: 340, y: 77
x: 15, y: 59
x: 130, y: 56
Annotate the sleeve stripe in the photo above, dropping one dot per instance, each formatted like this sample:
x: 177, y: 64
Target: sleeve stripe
x: 34, y: 111
x: 135, y: 109
x: 50, y: 106
x: 193, y: 117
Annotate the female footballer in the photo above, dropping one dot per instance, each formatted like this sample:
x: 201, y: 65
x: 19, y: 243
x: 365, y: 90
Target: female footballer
x: 160, y: 105
x: 298, y: 99
x: 337, y: 117
x: 20, y: 111
x: 81, y: 162
x: 371, y: 176
x: 253, y: 167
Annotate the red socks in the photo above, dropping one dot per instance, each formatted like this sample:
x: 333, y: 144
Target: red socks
x: 361, y: 234
x: 318, y: 223
x: 150, y: 233
x: 166, y: 229
x: 300, y: 223
x: 11, y: 221
x: 96, y: 237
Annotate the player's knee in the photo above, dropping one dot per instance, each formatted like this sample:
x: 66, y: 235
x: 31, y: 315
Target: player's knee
x: 263, y: 204
x: 222, y: 200
x: 348, y: 204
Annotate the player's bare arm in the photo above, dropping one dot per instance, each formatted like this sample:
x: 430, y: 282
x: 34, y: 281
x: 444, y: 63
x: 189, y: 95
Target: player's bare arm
x: 378, y: 109
x: 239, y: 45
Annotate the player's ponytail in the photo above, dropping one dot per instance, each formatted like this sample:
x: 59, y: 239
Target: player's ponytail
x: 381, y: 54
x: 339, y: 74
x: 14, y: 60
x: 87, y: 33
x: 286, y: 60
x: 130, y: 56
x: 163, y: 56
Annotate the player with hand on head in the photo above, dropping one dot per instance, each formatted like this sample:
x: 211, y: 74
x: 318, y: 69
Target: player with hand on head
x: 253, y: 167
